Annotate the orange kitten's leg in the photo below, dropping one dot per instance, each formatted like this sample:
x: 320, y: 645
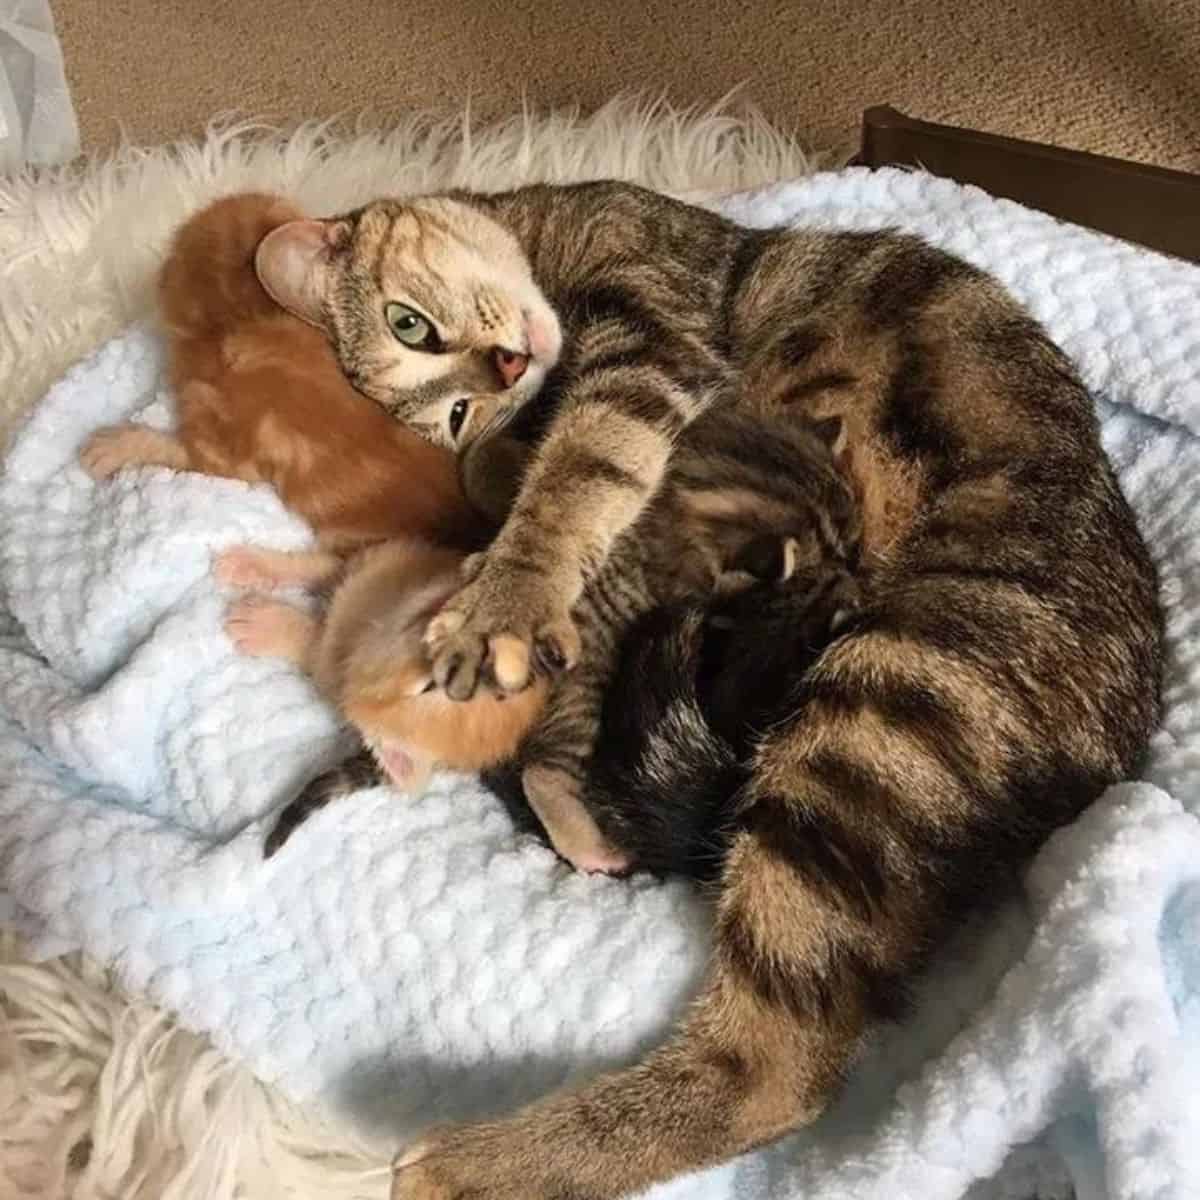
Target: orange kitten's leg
x: 108, y: 450
x: 553, y: 796
x: 268, y: 629
x: 253, y: 566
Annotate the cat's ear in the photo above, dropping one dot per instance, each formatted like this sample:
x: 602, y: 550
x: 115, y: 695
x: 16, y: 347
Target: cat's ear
x: 293, y: 265
x: 767, y: 558
x: 832, y: 431
x: 846, y: 600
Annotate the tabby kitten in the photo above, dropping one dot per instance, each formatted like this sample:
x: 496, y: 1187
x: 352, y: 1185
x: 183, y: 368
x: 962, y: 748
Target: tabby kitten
x: 1005, y: 670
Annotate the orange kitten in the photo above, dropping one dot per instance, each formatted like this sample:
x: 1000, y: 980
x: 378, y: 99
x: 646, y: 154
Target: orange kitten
x: 261, y: 398
x: 367, y: 655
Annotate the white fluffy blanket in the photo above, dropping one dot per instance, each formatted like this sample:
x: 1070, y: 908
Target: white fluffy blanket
x: 407, y: 961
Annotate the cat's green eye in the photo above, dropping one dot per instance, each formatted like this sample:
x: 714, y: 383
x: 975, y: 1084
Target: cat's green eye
x: 408, y: 326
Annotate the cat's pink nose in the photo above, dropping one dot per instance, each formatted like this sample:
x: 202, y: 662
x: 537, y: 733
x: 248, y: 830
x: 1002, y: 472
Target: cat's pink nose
x: 510, y: 365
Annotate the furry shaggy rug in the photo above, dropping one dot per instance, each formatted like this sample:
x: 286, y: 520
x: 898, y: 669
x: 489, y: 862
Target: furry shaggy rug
x: 103, y: 1097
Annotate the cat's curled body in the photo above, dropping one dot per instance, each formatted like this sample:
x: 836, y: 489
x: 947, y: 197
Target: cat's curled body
x: 1004, y: 668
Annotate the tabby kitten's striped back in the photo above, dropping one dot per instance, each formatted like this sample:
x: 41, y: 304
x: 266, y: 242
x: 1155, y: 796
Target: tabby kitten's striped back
x: 693, y: 687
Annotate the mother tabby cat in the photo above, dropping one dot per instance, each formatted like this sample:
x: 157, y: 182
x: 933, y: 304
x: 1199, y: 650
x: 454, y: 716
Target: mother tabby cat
x: 1004, y: 669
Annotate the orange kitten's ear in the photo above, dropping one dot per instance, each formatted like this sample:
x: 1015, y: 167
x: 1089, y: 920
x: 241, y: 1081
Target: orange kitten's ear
x: 292, y: 263
x: 407, y: 771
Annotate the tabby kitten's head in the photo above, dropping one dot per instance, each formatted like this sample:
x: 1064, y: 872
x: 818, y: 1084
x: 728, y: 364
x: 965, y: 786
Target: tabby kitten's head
x: 427, y: 301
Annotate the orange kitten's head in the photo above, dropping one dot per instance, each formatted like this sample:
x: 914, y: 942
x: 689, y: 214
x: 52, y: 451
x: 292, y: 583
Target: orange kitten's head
x: 382, y: 679
x: 413, y: 727
x: 426, y: 300
x: 207, y: 283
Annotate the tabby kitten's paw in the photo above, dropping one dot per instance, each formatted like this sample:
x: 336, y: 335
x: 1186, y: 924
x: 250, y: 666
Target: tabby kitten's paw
x: 554, y: 795
x: 499, y: 630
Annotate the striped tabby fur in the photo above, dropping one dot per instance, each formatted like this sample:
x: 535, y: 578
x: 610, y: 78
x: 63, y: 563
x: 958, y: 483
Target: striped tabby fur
x: 355, y: 772
x: 1004, y: 668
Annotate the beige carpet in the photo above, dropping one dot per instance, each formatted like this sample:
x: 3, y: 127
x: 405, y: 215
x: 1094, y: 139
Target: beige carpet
x: 1115, y: 76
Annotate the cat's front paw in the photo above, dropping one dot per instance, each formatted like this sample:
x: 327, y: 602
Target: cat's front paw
x: 500, y: 629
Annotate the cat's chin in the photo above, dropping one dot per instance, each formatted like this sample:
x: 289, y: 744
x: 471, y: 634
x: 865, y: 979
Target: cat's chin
x: 543, y: 334
x: 530, y: 383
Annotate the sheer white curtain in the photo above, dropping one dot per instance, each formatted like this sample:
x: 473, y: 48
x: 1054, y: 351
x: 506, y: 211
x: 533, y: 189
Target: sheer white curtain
x: 37, y: 120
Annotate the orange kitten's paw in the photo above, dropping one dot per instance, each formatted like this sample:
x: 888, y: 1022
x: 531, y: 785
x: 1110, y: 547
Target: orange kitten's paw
x: 265, y: 628
x: 264, y: 569
x: 110, y: 449
x: 245, y: 567
x: 499, y: 630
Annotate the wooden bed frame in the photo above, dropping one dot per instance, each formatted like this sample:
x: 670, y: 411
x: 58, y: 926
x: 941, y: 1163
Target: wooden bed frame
x: 1152, y: 206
